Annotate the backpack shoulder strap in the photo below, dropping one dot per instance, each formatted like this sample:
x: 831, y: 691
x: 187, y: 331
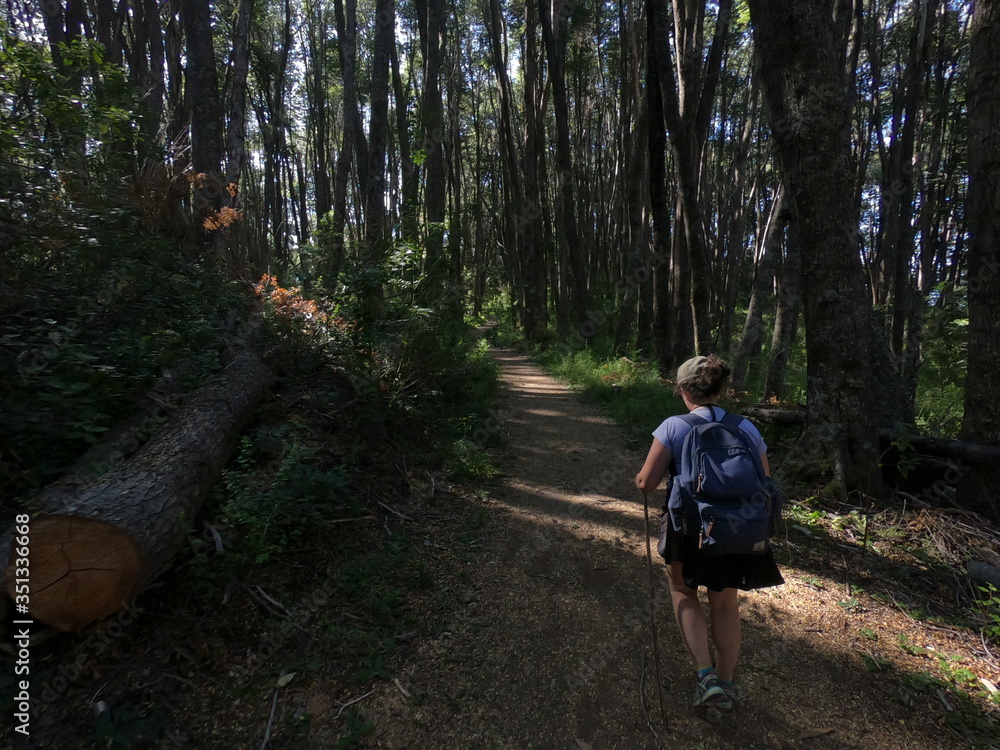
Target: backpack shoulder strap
x: 692, y: 419
x: 733, y: 420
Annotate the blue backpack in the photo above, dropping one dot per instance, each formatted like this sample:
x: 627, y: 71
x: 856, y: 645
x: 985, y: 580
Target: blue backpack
x: 725, y: 498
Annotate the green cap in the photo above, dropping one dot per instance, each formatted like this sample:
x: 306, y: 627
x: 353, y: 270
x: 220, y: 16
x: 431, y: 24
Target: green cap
x: 690, y: 369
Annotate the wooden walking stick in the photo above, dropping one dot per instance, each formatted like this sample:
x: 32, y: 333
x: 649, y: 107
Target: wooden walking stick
x: 652, y: 610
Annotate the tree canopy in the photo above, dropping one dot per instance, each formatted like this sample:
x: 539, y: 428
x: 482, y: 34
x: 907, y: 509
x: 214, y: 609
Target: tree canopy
x: 806, y: 192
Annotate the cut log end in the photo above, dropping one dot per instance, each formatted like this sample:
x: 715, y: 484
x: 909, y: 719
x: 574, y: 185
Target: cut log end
x: 81, y: 569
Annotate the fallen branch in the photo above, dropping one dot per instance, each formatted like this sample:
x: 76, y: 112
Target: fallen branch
x: 956, y: 450
x: 351, y: 703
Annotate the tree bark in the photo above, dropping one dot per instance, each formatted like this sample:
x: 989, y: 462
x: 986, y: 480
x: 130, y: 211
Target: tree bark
x: 202, y: 89
x: 409, y: 223
x: 554, y: 14
x: 753, y: 327
x: 979, y: 490
x: 530, y: 218
x: 688, y: 101
x: 353, y: 147
x: 376, y: 236
x: 637, y: 271
x: 801, y: 45
x: 236, y: 96
x: 788, y: 293
x: 120, y: 532
x: 430, y: 15
x: 659, y: 206
x: 979, y: 454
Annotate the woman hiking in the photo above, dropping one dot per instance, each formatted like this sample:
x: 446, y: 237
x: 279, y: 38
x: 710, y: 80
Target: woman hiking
x: 699, y: 383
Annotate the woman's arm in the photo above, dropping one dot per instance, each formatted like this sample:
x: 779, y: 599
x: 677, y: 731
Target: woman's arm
x: 767, y: 466
x: 655, y: 468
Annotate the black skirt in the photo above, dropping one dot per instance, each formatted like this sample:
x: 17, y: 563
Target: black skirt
x: 718, y: 572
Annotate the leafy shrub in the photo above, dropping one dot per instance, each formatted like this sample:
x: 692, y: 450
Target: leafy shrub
x: 941, y: 378
x: 630, y: 389
x: 274, y: 511
x: 989, y: 604
x: 93, y: 314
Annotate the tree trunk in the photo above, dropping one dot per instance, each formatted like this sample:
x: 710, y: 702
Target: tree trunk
x: 530, y: 216
x: 120, y: 532
x: 786, y: 313
x: 659, y: 211
x: 408, y: 205
x: 431, y: 17
x: 979, y: 490
x: 376, y: 236
x: 353, y: 147
x: 319, y: 109
x: 236, y: 96
x: 799, y: 45
x: 554, y: 16
x: 979, y: 454
x: 688, y: 101
x: 518, y: 211
x: 203, y: 91
x: 753, y: 327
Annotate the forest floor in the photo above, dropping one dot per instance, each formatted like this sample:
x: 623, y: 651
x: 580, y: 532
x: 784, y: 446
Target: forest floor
x: 513, y: 613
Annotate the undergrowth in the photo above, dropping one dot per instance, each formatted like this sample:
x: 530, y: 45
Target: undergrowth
x: 630, y: 389
x: 93, y: 312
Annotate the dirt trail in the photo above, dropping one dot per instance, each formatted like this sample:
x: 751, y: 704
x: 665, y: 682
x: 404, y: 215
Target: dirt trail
x: 550, y: 646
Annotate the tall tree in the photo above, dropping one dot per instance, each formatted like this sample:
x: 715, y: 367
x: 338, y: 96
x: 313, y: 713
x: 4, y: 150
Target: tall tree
x: 801, y: 45
x: 753, y: 326
x: 353, y: 147
x: 981, y: 423
x: 431, y: 22
x: 236, y: 94
x: 663, y: 318
x: 530, y: 219
x: 376, y: 234
x: 202, y: 88
x: 688, y: 80
x: 555, y: 21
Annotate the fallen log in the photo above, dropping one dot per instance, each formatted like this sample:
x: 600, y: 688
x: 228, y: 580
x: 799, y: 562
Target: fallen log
x: 121, y: 531
x: 955, y: 450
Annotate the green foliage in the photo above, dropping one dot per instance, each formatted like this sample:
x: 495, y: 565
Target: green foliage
x: 909, y: 648
x: 630, y: 389
x: 468, y: 460
x: 417, y: 351
x: 81, y: 119
x: 989, y: 604
x: 876, y: 663
x: 274, y: 512
x: 94, y: 311
x: 356, y: 729
x: 941, y: 378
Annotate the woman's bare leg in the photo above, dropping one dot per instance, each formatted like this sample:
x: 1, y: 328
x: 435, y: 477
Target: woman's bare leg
x: 690, y: 618
x: 726, y: 631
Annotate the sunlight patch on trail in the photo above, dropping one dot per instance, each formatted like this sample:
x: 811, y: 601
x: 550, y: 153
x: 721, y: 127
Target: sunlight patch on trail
x: 576, y: 514
x: 562, y: 415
